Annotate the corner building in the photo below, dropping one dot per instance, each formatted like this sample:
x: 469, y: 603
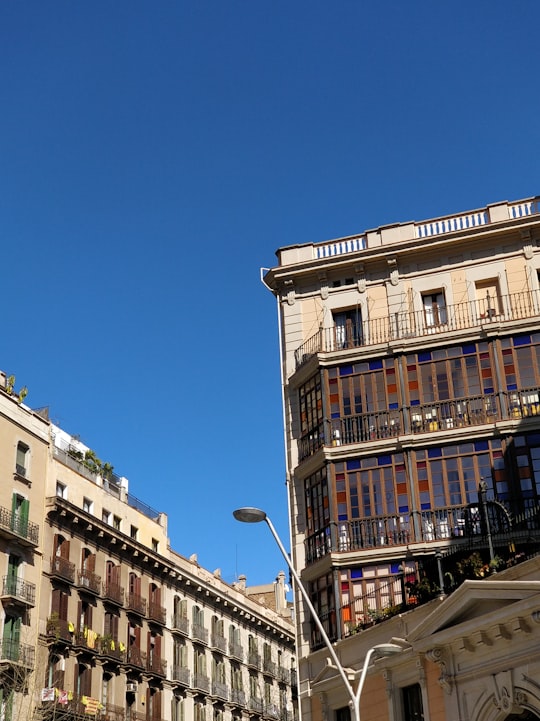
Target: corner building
x: 411, y: 369
x: 100, y: 618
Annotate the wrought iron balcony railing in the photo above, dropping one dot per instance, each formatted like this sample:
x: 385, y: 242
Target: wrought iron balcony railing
x: 157, y: 613
x: 89, y: 580
x: 181, y: 674
x: 15, y: 525
x: 180, y: 624
x: 432, y: 417
x: 113, y: 592
x: 63, y: 568
x: 19, y: 653
x: 136, y: 604
x: 199, y: 633
x: 404, y: 325
x: 19, y: 590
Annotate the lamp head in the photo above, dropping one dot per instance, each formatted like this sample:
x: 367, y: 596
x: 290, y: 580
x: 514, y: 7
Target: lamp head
x: 386, y: 649
x: 249, y: 515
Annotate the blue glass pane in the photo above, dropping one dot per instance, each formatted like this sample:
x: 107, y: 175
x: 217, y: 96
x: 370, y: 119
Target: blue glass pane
x: 404, y: 509
x: 415, y: 403
x: 512, y: 386
x: 488, y: 389
x: 343, y: 517
x: 335, y: 415
x: 394, y: 568
x: 375, y: 365
x: 521, y: 340
x: 468, y: 349
x: 353, y: 465
x: 424, y: 357
x: 356, y: 573
x: 434, y: 452
x: 481, y: 446
x: 393, y: 406
x: 384, y: 460
x: 345, y: 370
x: 425, y: 506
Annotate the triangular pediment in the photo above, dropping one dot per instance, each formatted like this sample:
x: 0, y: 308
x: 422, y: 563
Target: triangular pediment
x: 475, y: 600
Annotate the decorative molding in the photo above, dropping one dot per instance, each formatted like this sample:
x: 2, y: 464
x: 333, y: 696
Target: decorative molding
x: 445, y: 680
x: 393, y: 270
x: 360, y: 271
x: 324, y: 285
x: 289, y: 291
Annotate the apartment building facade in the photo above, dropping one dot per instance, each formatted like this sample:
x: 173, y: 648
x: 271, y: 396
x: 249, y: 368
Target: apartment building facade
x: 101, y: 618
x: 411, y: 373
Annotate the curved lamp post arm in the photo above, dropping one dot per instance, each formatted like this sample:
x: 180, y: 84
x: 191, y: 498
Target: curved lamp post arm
x: 314, y: 614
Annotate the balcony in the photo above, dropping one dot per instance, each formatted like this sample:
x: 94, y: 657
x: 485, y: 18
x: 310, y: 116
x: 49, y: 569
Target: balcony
x: 463, y: 522
x: 114, y: 593
x: 220, y: 690
x: 111, y: 648
x: 136, y: 658
x: 201, y: 682
x: 269, y: 667
x: 112, y: 713
x: 91, y: 582
x: 254, y: 660
x: 433, y: 417
x: 86, y: 639
x: 15, y: 526
x: 58, y: 629
x: 256, y: 705
x: 16, y: 591
x: 199, y: 633
x: 236, y: 651
x: 218, y: 642
x: 63, y: 569
x: 271, y: 710
x: 136, y: 604
x: 180, y: 624
x: 157, y: 613
x: 238, y: 696
x: 156, y: 665
x: 181, y: 675
x: 21, y: 654
x: 283, y: 675
x: 405, y: 325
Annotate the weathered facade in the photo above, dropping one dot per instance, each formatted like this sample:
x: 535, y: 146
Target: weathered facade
x: 411, y: 365
x: 101, y: 618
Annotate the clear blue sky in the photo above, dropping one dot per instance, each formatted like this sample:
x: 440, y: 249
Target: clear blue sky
x: 154, y: 155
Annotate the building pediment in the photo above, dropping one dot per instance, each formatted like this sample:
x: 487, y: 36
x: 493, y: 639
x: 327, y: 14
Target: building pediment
x: 478, y: 604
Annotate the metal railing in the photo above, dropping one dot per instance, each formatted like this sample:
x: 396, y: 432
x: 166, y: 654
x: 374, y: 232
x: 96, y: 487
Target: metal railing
x: 156, y: 665
x: 181, y: 674
x: 113, y: 592
x: 435, y: 416
x: 19, y: 589
x: 199, y: 633
x: 236, y: 651
x: 63, y: 568
x: 19, y: 653
x: 426, y: 526
x: 218, y: 642
x: 18, y: 525
x: 89, y: 580
x: 403, y: 325
x: 156, y: 612
x: 136, y: 603
x: 220, y: 690
x: 180, y: 623
x: 201, y: 682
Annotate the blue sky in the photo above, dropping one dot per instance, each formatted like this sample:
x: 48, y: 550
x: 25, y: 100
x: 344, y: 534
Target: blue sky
x: 154, y: 155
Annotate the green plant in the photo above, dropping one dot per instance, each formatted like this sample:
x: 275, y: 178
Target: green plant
x: 10, y: 383
x: 23, y: 393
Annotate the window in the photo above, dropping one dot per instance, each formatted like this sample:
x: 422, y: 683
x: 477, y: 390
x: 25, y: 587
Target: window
x: 412, y: 703
x: 155, y: 545
x: 133, y: 532
x: 19, y: 514
x: 87, y: 505
x: 106, y: 517
x: 83, y: 680
x: 178, y: 713
x: 61, y: 490
x: 488, y: 298
x: 117, y: 522
x: 348, y: 328
x: 23, y: 455
x: 434, y: 305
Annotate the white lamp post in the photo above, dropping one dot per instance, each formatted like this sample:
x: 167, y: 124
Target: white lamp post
x: 255, y: 515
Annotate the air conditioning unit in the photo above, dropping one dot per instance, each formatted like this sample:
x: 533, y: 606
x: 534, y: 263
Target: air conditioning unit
x: 131, y: 687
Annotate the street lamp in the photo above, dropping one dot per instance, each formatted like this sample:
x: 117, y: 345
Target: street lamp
x: 255, y: 515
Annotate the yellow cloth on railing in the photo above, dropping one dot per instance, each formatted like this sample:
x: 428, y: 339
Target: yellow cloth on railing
x: 90, y: 637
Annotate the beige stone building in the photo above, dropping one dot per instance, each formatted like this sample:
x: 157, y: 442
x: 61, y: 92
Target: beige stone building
x: 101, y: 618
x: 411, y: 372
